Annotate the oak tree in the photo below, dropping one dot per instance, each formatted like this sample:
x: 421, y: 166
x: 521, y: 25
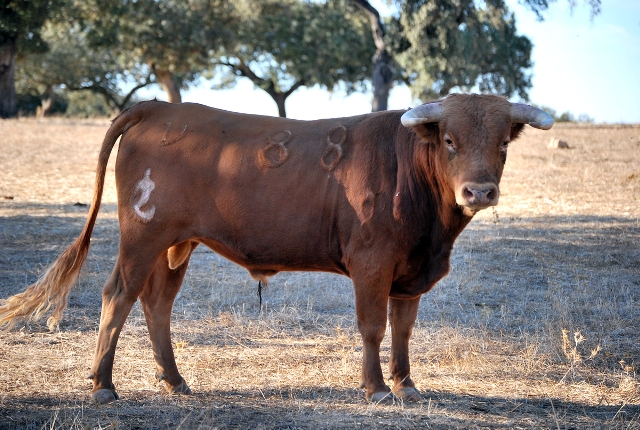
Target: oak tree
x: 21, y: 22
x: 70, y: 64
x: 175, y: 39
x: 449, y: 44
x: 284, y: 45
x: 435, y: 46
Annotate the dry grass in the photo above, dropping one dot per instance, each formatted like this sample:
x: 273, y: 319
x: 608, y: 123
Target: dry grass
x: 536, y: 325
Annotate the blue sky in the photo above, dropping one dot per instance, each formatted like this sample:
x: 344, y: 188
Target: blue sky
x: 581, y: 65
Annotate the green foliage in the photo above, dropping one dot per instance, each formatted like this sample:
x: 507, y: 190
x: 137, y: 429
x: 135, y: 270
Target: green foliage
x: 20, y: 25
x: 74, y: 104
x: 71, y: 63
x: 22, y: 20
x: 105, y: 45
x: 445, y: 44
x: 311, y: 42
x: 28, y: 104
x: 178, y: 36
x: 87, y: 104
x: 283, y: 45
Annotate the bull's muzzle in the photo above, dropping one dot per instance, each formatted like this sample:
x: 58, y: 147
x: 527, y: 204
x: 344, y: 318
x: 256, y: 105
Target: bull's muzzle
x: 474, y: 196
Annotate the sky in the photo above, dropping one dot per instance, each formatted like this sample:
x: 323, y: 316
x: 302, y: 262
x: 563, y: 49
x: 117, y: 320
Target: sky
x: 581, y: 65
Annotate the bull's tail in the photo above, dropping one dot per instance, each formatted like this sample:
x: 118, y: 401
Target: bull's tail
x: 52, y: 289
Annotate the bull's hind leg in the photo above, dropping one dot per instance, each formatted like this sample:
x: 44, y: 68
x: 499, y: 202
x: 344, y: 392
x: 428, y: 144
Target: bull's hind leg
x: 118, y: 296
x: 157, y: 302
x: 402, y: 317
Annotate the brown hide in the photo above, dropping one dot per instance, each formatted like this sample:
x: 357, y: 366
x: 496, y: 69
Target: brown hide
x: 362, y: 196
x: 267, y: 193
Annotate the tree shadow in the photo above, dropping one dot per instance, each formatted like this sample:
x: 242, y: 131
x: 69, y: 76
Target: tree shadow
x: 313, y: 407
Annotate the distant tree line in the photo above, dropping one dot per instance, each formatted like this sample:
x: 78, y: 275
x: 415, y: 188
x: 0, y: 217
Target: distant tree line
x: 98, y: 53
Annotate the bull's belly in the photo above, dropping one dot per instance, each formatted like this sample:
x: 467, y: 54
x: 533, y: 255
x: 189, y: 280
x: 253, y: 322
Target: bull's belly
x: 275, y: 258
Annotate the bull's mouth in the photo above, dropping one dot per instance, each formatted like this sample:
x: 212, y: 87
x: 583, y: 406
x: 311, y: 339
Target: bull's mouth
x: 476, y: 208
x: 467, y: 211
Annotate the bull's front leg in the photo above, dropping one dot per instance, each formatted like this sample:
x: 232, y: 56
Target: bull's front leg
x: 402, y: 317
x: 372, y: 294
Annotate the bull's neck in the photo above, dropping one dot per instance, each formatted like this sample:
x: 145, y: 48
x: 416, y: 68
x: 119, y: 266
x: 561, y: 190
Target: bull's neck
x: 425, y: 202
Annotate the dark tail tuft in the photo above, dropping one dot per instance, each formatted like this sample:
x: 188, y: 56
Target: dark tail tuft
x: 260, y: 286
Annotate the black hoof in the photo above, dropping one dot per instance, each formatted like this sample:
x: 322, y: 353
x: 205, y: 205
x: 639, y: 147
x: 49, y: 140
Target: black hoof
x: 104, y: 396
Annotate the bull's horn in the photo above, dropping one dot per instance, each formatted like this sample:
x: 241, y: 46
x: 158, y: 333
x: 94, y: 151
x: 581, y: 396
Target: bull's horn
x: 530, y: 115
x: 429, y: 112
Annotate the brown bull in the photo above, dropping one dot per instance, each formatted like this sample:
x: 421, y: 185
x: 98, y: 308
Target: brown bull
x: 379, y: 198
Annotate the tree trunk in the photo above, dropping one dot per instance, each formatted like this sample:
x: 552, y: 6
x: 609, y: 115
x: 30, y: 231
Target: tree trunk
x: 8, y: 100
x: 382, y: 81
x: 382, y: 70
x: 168, y: 84
x: 280, y: 98
x: 268, y: 86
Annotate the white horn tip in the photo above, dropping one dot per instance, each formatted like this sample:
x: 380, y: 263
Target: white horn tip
x: 533, y: 116
x: 408, y: 121
x: 545, y: 125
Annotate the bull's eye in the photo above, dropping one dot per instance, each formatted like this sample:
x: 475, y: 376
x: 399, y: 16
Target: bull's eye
x: 503, y: 151
x: 450, y: 145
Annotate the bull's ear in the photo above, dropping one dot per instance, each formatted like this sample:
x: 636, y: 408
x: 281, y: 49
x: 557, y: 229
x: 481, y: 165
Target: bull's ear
x: 516, y: 130
x: 525, y: 114
x: 428, y: 133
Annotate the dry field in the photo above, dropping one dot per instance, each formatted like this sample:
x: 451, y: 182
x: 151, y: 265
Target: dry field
x: 536, y: 326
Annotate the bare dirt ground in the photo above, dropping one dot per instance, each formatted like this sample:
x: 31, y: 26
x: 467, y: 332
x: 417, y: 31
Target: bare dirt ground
x: 536, y: 326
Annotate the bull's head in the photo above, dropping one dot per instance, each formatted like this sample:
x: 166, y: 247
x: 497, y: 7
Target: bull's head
x: 473, y: 133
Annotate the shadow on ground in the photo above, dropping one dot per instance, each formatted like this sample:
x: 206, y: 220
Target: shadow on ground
x: 319, y: 408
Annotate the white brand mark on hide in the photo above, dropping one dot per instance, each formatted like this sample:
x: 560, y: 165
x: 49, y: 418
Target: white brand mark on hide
x: 143, y: 189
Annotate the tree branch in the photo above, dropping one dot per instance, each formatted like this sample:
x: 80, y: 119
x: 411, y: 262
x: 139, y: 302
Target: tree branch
x: 147, y: 81
x: 377, y: 27
x: 109, y: 97
x: 294, y: 87
x: 244, y: 70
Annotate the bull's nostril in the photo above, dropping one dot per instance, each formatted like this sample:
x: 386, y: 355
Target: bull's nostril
x: 491, y: 194
x: 467, y: 193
